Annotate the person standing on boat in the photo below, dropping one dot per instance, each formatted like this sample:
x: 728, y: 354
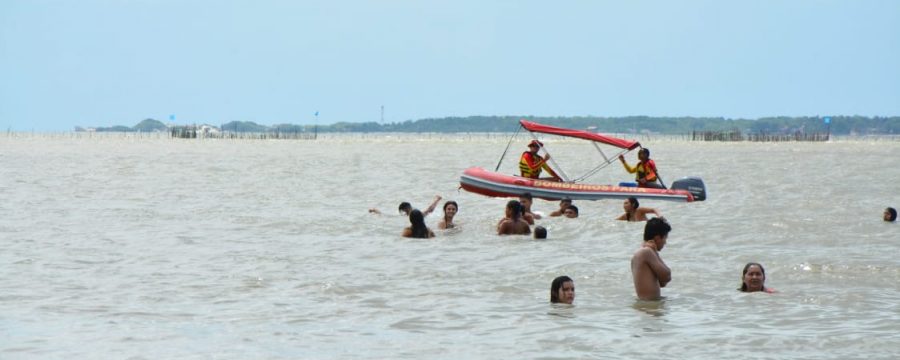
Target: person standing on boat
x: 531, y: 164
x: 645, y: 169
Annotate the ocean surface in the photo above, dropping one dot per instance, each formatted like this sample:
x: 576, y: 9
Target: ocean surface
x: 121, y: 247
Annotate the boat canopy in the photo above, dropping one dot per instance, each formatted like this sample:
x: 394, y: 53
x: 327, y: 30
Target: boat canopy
x: 581, y: 134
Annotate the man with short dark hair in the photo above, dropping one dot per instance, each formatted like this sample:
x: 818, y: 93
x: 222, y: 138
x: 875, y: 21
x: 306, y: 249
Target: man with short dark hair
x: 563, y: 204
x: 526, y: 200
x: 540, y: 232
x: 571, y: 212
x: 890, y: 214
x: 405, y: 207
x: 648, y: 270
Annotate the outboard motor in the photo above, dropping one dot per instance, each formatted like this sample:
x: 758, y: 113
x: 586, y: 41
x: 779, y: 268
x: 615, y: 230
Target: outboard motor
x: 693, y: 185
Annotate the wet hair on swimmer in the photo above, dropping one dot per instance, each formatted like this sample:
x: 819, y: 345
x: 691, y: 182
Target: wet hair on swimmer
x: 404, y: 206
x: 634, y: 202
x: 746, y: 269
x: 573, y: 208
x: 515, y: 207
x: 540, y: 232
x: 526, y: 195
x: 417, y: 224
x: 451, y: 202
x: 656, y: 226
x: 556, y: 285
x: 893, y: 213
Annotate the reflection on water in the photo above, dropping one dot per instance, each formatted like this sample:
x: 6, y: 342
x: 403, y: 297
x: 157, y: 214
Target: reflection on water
x: 655, y: 308
x: 562, y: 310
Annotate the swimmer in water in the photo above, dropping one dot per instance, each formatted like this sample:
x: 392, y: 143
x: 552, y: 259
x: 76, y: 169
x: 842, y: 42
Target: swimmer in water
x: 417, y: 228
x: 405, y: 208
x: 890, y: 214
x: 754, y: 279
x: 648, y: 271
x: 540, y: 232
x: 563, y: 204
x: 562, y: 290
x: 513, y: 223
x: 450, y: 210
x: 634, y: 211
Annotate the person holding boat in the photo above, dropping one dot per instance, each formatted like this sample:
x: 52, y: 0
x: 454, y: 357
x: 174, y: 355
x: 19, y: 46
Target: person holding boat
x: 645, y: 170
x: 531, y: 164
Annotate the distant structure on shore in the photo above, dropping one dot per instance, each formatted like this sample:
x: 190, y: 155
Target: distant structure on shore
x: 812, y: 128
x: 757, y: 137
x: 211, y: 132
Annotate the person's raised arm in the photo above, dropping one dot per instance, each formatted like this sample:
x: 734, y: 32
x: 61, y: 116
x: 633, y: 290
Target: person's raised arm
x: 653, y: 211
x: 625, y: 164
x: 431, y: 207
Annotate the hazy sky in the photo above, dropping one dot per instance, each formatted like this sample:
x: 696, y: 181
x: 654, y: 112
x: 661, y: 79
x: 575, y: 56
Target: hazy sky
x: 116, y: 62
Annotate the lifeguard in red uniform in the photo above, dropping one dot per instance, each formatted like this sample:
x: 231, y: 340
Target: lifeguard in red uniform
x: 531, y: 164
x: 645, y: 169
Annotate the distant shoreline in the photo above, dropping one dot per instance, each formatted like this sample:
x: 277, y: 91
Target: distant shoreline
x: 834, y: 125
x: 403, y: 136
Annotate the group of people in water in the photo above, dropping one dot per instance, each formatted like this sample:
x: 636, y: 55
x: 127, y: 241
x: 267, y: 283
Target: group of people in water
x: 649, y: 272
x: 753, y: 279
x: 518, y: 217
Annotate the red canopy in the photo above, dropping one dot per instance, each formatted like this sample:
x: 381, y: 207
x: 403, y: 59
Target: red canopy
x: 609, y: 140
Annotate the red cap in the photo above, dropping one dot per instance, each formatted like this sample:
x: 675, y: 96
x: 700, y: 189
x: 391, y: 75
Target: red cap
x: 536, y: 143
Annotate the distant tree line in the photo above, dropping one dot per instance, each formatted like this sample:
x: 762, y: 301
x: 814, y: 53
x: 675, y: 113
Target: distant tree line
x: 840, y: 125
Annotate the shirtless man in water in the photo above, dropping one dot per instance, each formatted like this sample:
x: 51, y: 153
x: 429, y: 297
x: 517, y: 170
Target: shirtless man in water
x: 513, y: 223
x: 563, y: 205
x: 648, y: 270
x: 526, y: 200
x: 405, y: 208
